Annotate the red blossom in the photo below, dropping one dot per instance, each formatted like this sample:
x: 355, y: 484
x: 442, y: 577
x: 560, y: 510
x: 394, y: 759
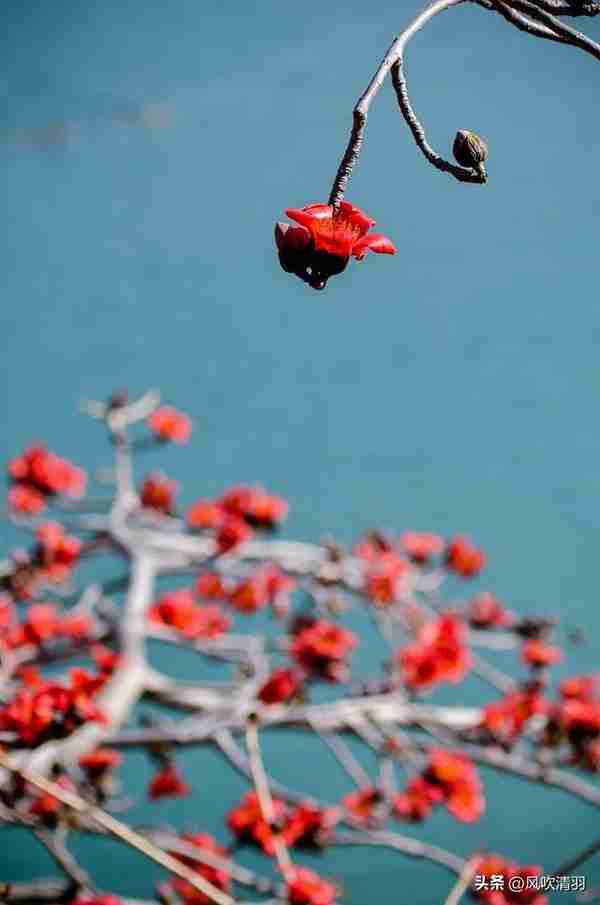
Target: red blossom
x: 206, y: 514
x: 48, y: 808
x: 323, y: 647
x: 283, y: 685
x: 255, y: 505
x: 305, y: 887
x: 168, y: 423
x: 247, y: 823
x: 363, y: 804
x: 326, y: 238
x: 486, y: 611
x: 38, y: 474
x: 538, y: 654
x: 158, y: 492
x: 98, y: 900
x: 217, y: 876
x: 421, y: 546
x: 416, y: 802
x: 233, y: 532
x: 308, y: 826
x: 585, y: 688
x: 464, y: 558
x: 99, y: 761
x: 386, y: 578
x: 168, y: 783
x: 179, y: 610
x: 450, y: 779
x: 440, y: 654
x: 497, y: 866
x: 211, y: 585
x: 43, y: 709
x: 507, y: 718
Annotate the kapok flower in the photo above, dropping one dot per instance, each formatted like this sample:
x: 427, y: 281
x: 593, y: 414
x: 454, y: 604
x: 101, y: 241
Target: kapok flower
x: 538, y: 654
x: 99, y: 761
x: 306, y: 887
x: 48, y: 808
x: 98, y: 900
x: 283, y: 685
x: 498, y: 867
x: 457, y: 777
x: 56, y: 553
x: 233, y: 532
x: 179, y: 610
x: 585, y: 688
x: 323, y: 648
x: 38, y: 474
x: 363, y: 805
x: 168, y: 423
x: 254, y: 504
x: 416, y: 802
x: 247, y: 823
x: 158, y: 492
x: 168, y: 783
x: 325, y: 240
x: 486, y: 611
x: 386, y: 578
x: 421, y: 546
x: 218, y: 876
x: 464, y: 558
x: 440, y: 654
x: 507, y: 718
x: 308, y: 826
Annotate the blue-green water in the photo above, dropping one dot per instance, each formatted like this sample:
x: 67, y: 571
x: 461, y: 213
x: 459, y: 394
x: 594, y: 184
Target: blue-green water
x: 148, y: 148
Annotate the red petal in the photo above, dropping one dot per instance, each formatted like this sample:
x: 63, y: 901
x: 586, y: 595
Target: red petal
x: 375, y: 242
x: 356, y: 217
x: 308, y: 215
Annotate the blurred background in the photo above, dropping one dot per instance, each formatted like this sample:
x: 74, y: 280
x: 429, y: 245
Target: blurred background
x: 147, y: 150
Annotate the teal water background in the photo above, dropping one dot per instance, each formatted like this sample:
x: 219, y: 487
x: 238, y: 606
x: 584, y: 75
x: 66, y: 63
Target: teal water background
x: 147, y: 150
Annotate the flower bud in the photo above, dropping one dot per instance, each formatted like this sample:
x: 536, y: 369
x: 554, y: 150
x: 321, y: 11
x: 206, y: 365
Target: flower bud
x: 470, y: 150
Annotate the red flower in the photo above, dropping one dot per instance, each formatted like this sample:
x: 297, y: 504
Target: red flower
x: 325, y: 240
x: 308, y: 826
x: 246, y: 821
x: 233, y: 532
x: 47, y: 807
x: 305, y: 887
x: 168, y: 423
x: 457, y: 777
x: 537, y: 653
x: 464, y: 558
x: 168, y: 783
x: 98, y: 900
x: 450, y: 779
x: 373, y: 546
x: 505, y: 719
x: 255, y: 505
x: 251, y: 594
x: 495, y: 866
x: 206, y: 514
x: 440, y: 654
x: 158, y: 492
x: 282, y: 686
x: 211, y: 585
x: 38, y: 474
x: 42, y: 709
x: 416, y: 802
x: 323, y: 647
x: 99, y: 761
x: 56, y: 553
x: 386, y: 578
x: 218, y: 876
x: 486, y: 611
x: 179, y: 610
x: 421, y: 546
x: 26, y: 499
x: 583, y: 687
x: 363, y: 805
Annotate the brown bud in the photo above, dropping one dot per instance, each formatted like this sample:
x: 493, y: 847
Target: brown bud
x: 470, y: 150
